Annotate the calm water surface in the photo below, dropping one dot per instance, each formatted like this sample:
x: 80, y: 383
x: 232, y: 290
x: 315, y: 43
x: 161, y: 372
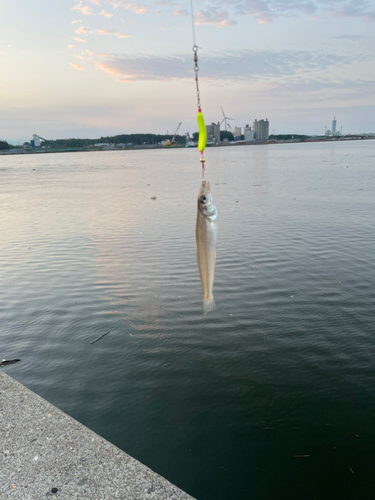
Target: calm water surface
x: 222, y: 405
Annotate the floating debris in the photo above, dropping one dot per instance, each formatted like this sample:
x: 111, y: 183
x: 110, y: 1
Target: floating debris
x: 101, y: 336
x: 6, y: 362
x: 153, y: 198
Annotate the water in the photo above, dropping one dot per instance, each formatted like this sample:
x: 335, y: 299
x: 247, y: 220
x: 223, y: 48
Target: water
x: 220, y: 405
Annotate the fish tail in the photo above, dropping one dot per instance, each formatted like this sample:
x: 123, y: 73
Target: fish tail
x: 209, y: 305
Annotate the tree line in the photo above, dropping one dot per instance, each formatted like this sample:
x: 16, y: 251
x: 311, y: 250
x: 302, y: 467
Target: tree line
x: 133, y: 139
x: 288, y: 137
x: 4, y: 145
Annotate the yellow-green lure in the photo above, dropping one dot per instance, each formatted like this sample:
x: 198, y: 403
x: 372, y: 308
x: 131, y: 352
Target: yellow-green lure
x: 202, y: 137
x: 202, y: 131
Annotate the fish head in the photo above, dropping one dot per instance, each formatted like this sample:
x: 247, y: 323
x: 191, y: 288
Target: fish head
x: 204, y: 196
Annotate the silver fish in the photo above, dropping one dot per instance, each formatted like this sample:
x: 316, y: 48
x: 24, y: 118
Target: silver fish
x: 206, y: 235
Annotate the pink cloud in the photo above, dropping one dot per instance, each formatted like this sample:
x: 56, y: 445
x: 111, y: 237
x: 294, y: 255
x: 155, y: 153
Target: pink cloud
x: 85, y: 10
x: 218, y: 20
x: 78, y: 57
x: 106, y: 14
x: 77, y: 66
x: 105, y: 31
x: 82, y: 30
x: 71, y: 46
x: 239, y: 66
x: 115, y: 32
x: 78, y: 39
x: 134, y: 7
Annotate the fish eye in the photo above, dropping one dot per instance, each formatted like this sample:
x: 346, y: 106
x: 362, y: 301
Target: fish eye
x: 204, y: 198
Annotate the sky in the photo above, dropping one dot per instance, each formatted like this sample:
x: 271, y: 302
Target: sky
x: 92, y: 68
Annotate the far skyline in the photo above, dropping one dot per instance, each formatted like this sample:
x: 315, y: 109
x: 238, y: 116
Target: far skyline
x: 327, y: 128
x: 89, y: 68
x: 272, y: 131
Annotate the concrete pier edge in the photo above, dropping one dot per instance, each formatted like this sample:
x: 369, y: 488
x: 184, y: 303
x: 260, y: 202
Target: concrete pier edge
x: 45, y: 453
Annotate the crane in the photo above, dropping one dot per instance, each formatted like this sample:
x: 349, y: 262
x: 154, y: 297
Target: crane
x: 231, y: 130
x: 49, y: 142
x: 171, y: 142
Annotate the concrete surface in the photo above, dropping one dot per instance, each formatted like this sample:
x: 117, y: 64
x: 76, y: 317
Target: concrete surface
x: 44, y: 453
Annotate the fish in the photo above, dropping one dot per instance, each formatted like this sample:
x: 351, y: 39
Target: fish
x: 206, y: 236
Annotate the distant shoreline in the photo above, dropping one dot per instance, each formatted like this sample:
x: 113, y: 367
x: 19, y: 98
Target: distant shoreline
x: 22, y: 151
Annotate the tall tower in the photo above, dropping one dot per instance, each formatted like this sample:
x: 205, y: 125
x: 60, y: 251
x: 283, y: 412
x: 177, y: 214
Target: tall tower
x: 334, y: 125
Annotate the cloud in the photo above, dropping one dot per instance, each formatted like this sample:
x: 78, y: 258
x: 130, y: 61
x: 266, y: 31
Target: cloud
x: 267, y: 11
x: 239, y: 66
x: 320, y: 84
x: 119, y: 34
x: 104, y: 31
x: 78, y: 57
x: 77, y: 66
x: 82, y: 30
x: 134, y: 7
x: 75, y: 22
x: 78, y: 39
x: 221, y: 13
x: 106, y: 14
x: 355, y: 9
x: 180, y: 13
x: 319, y: 90
x: 85, y: 10
x: 71, y: 46
x: 113, y: 31
x: 218, y: 20
x: 349, y: 37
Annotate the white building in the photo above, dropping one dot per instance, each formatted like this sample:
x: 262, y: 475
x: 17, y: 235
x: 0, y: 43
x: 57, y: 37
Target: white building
x: 248, y: 133
x: 36, y: 140
x: 334, y: 125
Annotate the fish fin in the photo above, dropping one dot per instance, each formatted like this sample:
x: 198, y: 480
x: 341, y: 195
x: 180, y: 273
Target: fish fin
x: 209, y: 305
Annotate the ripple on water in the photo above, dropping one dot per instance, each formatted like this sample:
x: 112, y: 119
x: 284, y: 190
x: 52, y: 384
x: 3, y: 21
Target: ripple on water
x: 285, y: 365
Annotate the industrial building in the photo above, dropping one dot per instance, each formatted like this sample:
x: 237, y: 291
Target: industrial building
x: 213, y: 132
x: 334, y: 126
x: 35, y: 142
x: 237, y: 133
x: 248, y: 133
x: 261, y: 130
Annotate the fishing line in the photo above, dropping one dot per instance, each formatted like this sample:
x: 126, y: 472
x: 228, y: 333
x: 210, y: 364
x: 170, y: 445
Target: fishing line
x: 200, y: 119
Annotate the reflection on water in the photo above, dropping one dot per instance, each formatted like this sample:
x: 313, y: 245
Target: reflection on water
x: 225, y: 405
